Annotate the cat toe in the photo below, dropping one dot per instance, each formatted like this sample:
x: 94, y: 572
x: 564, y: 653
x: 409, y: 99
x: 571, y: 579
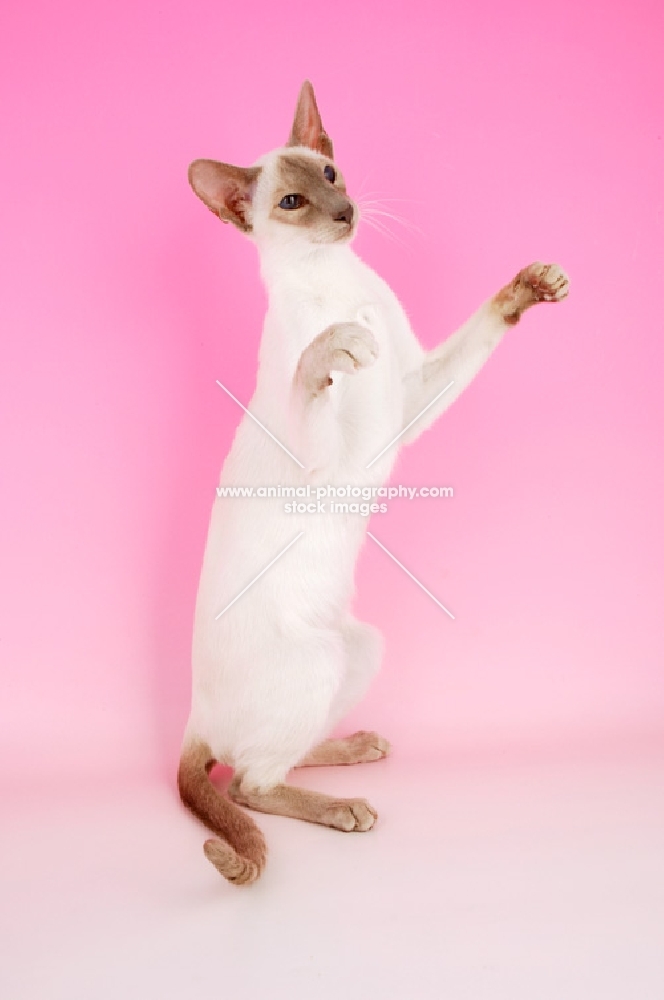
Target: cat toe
x: 368, y: 746
x: 350, y: 816
x: 547, y: 282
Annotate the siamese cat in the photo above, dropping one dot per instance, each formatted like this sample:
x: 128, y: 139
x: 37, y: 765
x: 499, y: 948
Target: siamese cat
x: 340, y: 375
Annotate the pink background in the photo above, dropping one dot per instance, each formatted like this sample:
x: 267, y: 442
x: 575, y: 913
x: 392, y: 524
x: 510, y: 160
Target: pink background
x: 509, y: 134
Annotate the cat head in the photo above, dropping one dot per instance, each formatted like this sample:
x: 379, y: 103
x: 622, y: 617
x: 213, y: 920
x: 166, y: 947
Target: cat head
x: 294, y: 195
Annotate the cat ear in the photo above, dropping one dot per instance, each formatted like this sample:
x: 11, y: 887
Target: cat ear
x: 307, y: 127
x: 227, y: 191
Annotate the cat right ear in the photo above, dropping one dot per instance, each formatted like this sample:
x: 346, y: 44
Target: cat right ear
x: 226, y: 190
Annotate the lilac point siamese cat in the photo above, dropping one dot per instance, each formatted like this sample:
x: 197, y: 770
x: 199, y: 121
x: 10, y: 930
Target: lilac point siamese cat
x: 340, y: 374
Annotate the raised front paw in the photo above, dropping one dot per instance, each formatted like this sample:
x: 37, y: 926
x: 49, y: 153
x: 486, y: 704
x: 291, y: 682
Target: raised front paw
x: 349, y: 346
x: 342, y: 347
x: 536, y: 283
x: 547, y: 282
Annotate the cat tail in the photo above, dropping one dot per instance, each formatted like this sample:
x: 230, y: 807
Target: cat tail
x: 240, y: 853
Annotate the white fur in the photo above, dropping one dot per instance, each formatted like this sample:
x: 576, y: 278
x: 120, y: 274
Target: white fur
x: 279, y: 669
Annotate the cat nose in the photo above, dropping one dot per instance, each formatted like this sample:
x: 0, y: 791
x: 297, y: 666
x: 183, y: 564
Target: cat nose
x: 345, y: 215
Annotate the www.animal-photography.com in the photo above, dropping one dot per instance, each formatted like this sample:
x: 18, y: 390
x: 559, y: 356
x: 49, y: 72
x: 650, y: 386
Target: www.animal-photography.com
x: 331, y: 643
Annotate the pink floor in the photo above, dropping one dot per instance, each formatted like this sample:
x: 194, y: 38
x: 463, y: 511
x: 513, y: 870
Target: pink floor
x: 485, y: 881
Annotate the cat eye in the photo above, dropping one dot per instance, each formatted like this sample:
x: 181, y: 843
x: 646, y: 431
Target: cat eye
x: 330, y: 174
x: 290, y: 201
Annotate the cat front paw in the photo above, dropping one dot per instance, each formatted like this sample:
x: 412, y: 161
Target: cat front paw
x: 536, y: 283
x: 342, y: 347
x: 351, y: 346
x: 547, y: 282
x: 349, y: 815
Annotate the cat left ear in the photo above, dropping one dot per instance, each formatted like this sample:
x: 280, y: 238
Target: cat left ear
x: 226, y: 190
x: 307, y: 127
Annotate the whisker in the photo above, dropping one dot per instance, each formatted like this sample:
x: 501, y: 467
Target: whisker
x: 380, y: 227
x: 379, y: 217
x: 396, y: 218
x: 373, y: 224
x: 362, y: 183
x: 378, y: 208
x: 381, y: 200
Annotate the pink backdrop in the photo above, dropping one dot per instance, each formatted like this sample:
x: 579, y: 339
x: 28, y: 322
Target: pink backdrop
x: 507, y: 134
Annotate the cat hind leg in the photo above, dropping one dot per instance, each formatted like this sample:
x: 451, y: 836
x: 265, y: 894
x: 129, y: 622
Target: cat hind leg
x: 363, y: 650
x: 259, y: 782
